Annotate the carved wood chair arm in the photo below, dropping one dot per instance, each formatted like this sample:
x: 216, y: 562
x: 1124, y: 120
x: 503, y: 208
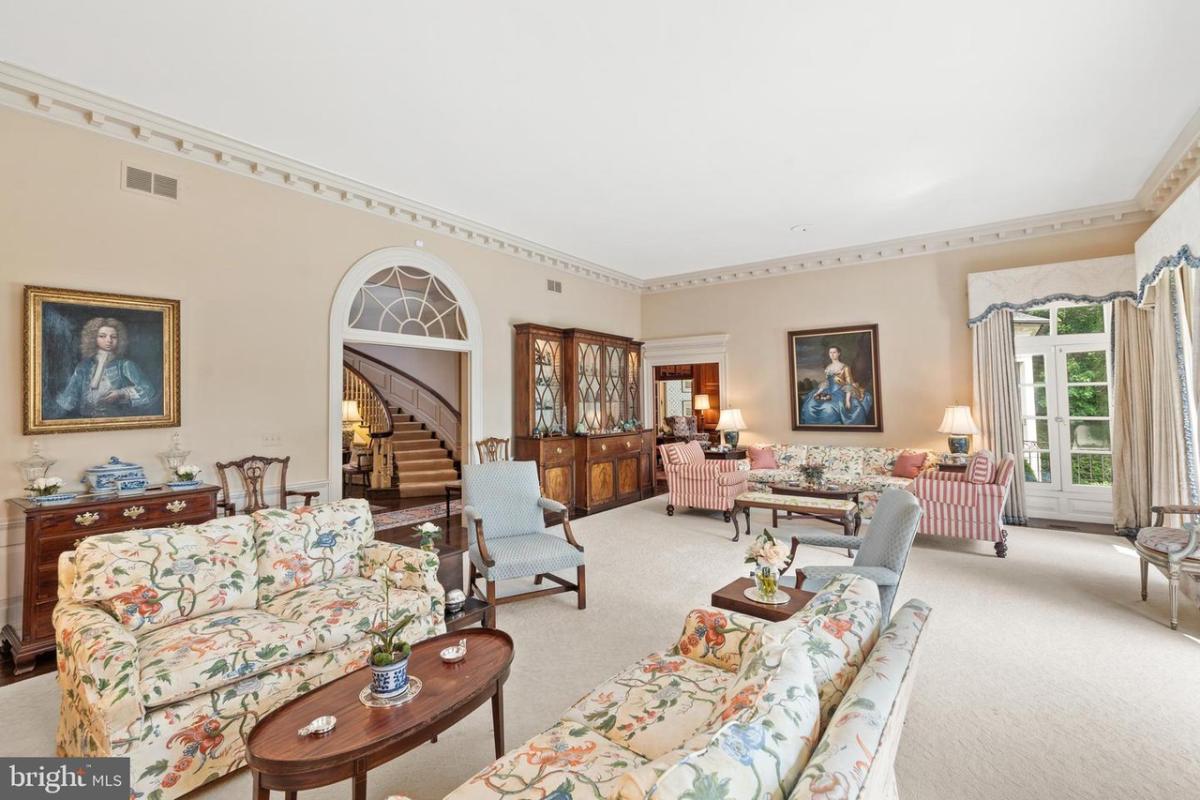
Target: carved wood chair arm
x: 308, y: 496
x: 483, y: 551
x: 566, y: 523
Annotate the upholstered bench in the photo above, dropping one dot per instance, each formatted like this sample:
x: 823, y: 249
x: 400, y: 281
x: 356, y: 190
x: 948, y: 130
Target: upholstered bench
x: 837, y: 512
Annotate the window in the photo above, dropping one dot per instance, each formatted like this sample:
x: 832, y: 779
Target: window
x: 1063, y: 375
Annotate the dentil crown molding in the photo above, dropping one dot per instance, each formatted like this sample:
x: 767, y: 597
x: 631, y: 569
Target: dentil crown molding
x: 30, y: 91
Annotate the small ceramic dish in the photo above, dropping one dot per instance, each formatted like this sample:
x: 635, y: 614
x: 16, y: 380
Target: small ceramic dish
x: 454, y: 653
x: 319, y: 726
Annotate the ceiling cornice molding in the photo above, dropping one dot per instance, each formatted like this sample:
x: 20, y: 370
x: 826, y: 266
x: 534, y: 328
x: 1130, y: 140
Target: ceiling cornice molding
x: 32, y: 92
x: 1178, y: 167
x: 958, y: 239
x: 38, y: 94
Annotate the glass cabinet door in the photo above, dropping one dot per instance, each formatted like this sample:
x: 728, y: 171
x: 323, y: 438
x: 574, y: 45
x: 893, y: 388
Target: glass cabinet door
x: 589, y: 406
x: 633, y: 394
x: 614, y: 386
x: 549, y: 402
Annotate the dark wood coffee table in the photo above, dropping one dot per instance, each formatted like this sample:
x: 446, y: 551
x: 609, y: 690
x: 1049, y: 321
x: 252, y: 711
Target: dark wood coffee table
x: 364, y: 738
x: 732, y: 597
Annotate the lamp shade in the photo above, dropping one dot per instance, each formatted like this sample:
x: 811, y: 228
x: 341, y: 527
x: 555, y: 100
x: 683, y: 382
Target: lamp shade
x: 350, y: 411
x: 700, y: 403
x: 957, y: 421
x: 731, y: 420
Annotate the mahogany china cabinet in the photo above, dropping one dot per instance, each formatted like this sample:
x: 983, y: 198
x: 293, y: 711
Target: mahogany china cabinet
x: 565, y: 377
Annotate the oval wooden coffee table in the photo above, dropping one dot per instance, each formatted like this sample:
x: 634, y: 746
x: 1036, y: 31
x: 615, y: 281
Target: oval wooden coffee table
x: 364, y: 738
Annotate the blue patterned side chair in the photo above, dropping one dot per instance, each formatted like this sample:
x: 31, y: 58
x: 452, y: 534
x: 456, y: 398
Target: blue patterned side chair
x: 882, y: 553
x: 504, y: 513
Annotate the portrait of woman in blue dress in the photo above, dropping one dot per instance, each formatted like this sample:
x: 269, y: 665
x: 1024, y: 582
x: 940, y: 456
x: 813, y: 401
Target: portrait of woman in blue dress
x: 105, y: 383
x: 838, y: 399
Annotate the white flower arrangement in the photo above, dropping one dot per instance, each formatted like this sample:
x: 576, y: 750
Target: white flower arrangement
x: 429, y: 534
x: 46, y: 486
x: 187, y: 472
x: 767, y: 551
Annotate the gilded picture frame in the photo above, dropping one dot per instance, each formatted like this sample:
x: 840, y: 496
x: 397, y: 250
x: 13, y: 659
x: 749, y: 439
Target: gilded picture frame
x: 96, y: 361
x: 834, y: 378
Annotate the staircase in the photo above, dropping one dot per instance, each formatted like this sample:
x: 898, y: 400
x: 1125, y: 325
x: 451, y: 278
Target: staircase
x: 423, y: 466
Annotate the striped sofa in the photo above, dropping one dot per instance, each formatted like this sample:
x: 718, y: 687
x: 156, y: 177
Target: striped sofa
x: 697, y: 482
x: 868, y: 469
x: 966, y: 505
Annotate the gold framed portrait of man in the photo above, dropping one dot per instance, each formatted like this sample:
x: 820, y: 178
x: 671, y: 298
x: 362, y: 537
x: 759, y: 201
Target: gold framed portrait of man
x: 98, y: 361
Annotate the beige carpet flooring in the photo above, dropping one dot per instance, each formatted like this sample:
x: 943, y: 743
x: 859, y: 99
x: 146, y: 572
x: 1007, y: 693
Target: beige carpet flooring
x: 1044, y: 675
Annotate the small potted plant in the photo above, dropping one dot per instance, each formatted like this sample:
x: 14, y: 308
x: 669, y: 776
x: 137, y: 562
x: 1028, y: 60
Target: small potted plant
x: 430, y: 535
x: 390, y: 652
x: 47, y: 489
x: 769, y: 558
x: 813, y: 473
x: 186, y: 475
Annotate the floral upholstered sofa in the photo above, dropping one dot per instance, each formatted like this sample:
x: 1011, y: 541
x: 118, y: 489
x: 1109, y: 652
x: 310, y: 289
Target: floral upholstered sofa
x: 738, y: 708
x: 173, y: 643
x: 868, y: 469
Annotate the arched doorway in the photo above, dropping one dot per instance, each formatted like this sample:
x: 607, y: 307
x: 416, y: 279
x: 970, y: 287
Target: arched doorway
x: 407, y: 297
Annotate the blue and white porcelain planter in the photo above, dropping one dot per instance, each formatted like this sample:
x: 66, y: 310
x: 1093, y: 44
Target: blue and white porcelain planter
x: 106, y: 478
x: 54, y: 499
x: 391, y: 680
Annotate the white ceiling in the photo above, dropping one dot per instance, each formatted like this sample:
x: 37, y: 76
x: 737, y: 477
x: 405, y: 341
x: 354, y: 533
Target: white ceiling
x: 664, y: 137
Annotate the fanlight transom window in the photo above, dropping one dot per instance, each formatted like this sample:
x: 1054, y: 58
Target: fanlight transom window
x: 410, y: 301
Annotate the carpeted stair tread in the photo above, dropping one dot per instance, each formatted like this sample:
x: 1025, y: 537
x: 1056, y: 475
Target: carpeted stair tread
x: 424, y: 464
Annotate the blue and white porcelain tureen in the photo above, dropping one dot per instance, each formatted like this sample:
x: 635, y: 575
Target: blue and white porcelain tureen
x: 117, y: 476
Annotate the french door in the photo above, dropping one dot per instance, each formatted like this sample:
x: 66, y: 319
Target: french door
x: 1066, y: 414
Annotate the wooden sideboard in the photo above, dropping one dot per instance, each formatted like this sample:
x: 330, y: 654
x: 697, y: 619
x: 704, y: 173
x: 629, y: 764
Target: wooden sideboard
x: 52, y: 530
x: 612, y: 469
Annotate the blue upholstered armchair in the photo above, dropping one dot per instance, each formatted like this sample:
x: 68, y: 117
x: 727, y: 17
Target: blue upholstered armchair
x: 882, y: 553
x: 503, y: 511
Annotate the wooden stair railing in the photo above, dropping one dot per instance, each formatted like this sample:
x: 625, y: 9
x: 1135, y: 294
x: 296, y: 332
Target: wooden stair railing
x: 400, y: 389
x: 377, y: 418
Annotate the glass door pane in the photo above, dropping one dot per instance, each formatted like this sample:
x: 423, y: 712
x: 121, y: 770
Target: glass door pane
x: 1033, y: 390
x: 1088, y: 415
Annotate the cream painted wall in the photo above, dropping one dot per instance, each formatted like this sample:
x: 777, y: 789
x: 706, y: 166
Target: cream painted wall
x: 255, y: 267
x: 919, y: 303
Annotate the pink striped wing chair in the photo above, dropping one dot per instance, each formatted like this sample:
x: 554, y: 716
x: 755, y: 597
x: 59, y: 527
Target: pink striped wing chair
x: 954, y: 506
x: 695, y: 481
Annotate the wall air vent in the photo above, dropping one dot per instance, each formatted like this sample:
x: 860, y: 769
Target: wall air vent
x: 554, y: 286
x: 142, y: 180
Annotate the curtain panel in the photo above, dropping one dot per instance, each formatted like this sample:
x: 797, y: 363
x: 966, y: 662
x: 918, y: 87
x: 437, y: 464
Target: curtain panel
x: 1132, y: 426
x: 998, y: 403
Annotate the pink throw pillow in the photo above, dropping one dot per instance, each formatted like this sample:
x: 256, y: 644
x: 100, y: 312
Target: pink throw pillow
x: 763, y: 458
x: 908, y: 465
x: 981, y: 468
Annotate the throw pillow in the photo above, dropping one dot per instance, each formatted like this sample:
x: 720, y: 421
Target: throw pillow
x: 981, y: 468
x: 763, y: 458
x: 908, y: 465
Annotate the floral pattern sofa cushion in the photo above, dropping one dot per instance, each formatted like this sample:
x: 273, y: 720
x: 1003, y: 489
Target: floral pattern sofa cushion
x: 306, y: 545
x: 854, y: 758
x: 148, y: 582
x: 868, y: 469
x: 180, y: 699
x: 344, y: 610
x: 208, y: 652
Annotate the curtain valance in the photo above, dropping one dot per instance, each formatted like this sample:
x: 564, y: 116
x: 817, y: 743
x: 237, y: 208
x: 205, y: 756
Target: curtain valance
x: 1172, y: 241
x: 1094, y: 280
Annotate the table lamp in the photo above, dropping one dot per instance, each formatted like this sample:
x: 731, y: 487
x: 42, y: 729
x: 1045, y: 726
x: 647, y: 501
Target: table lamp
x: 351, y: 418
x: 957, y: 422
x: 700, y: 405
x: 731, y: 422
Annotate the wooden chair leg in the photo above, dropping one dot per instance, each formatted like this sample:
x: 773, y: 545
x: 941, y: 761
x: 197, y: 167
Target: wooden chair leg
x: 491, y: 592
x: 1145, y: 568
x: 537, y: 579
x: 580, y: 578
